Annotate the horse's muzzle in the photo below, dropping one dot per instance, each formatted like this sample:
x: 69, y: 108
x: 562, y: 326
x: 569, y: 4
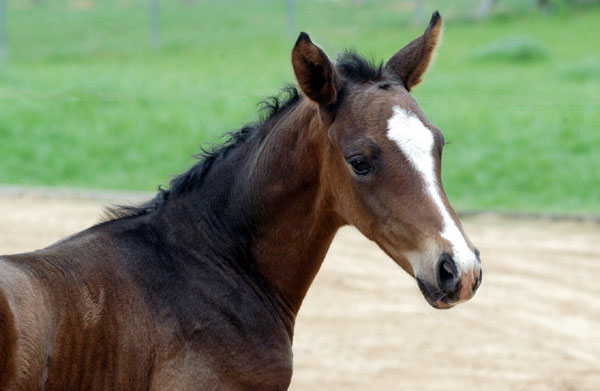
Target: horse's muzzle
x: 453, y: 287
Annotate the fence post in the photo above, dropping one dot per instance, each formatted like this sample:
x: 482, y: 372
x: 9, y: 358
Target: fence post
x: 290, y: 17
x: 3, y: 38
x: 154, y: 23
x: 419, y: 12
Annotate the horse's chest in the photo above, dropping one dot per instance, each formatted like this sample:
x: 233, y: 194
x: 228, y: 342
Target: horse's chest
x: 243, y: 368
x: 224, y: 335
x: 226, y: 355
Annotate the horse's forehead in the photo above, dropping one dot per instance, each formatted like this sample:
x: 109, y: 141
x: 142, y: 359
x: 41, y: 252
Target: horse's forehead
x: 378, y: 106
x: 366, y: 112
x: 382, y: 111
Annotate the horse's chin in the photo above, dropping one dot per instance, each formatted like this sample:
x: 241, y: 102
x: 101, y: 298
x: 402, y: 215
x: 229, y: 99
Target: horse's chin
x: 432, y: 296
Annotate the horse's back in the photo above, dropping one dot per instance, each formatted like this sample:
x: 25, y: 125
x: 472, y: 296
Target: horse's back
x: 8, y: 337
x: 25, y: 327
x: 91, y: 313
x: 63, y: 329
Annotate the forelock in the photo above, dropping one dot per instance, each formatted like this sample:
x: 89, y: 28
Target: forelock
x: 355, y: 67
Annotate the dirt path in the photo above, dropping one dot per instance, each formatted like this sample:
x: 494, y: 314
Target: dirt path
x: 533, y: 325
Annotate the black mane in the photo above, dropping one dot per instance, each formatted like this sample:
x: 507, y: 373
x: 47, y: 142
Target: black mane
x: 269, y: 108
x: 351, y: 66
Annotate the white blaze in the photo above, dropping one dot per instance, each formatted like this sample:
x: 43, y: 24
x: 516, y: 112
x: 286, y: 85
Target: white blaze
x: 415, y: 140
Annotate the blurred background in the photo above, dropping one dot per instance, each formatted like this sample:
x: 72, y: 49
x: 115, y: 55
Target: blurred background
x: 120, y: 94
x: 107, y: 94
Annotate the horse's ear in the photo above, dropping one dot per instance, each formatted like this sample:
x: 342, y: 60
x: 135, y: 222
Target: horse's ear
x: 410, y: 63
x: 316, y: 75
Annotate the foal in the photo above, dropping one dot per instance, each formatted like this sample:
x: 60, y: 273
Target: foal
x: 199, y: 288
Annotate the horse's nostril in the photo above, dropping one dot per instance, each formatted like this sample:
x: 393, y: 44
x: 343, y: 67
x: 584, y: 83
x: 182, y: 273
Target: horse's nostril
x: 446, y: 270
x: 447, y: 273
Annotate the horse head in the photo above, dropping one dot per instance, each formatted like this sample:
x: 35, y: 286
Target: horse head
x: 382, y: 165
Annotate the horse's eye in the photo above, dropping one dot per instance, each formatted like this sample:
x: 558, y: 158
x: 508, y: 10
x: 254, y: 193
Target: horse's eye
x: 360, y: 166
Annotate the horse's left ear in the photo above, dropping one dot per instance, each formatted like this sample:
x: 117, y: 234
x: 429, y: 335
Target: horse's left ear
x: 410, y: 63
x: 316, y: 75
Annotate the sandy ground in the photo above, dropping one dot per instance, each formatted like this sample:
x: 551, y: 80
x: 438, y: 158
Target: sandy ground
x: 533, y: 325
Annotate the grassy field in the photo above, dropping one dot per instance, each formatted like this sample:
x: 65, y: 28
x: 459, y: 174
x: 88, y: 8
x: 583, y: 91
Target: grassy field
x: 85, y: 101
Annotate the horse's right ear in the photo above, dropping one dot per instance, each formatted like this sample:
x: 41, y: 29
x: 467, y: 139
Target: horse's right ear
x: 316, y: 75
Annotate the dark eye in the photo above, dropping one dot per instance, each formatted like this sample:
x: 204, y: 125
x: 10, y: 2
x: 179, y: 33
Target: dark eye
x: 360, y: 166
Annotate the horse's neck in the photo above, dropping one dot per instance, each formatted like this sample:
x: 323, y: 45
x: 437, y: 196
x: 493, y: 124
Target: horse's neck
x: 296, y: 223
x: 265, y: 204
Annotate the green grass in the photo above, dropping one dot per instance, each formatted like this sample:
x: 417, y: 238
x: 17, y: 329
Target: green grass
x: 85, y: 101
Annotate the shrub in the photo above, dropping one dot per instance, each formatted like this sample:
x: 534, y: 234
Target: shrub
x: 511, y: 50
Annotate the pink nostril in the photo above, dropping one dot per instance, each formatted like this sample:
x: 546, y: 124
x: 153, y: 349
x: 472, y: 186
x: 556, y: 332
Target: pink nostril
x: 470, y: 282
x: 477, y: 282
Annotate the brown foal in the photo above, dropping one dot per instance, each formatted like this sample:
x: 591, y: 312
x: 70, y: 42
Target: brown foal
x: 199, y: 288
